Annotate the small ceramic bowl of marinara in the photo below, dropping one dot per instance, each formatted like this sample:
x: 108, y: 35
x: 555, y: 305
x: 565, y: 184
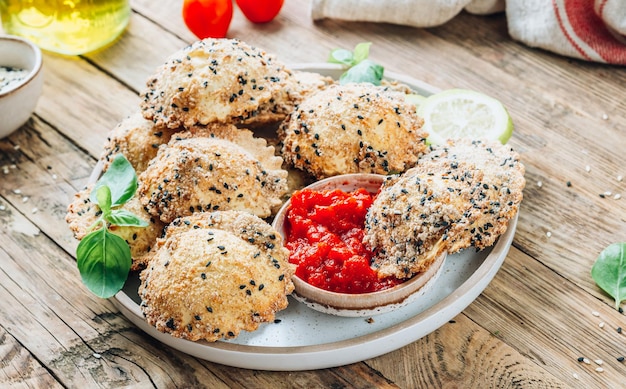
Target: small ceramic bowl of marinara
x: 323, y: 226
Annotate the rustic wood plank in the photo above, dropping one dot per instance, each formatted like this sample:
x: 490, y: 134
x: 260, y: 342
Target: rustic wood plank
x: 23, y: 312
x: 530, y: 339
x: 549, y: 321
x: 98, y: 102
x: 19, y: 369
x: 145, y: 45
x: 168, y: 13
x: 462, y: 352
x: 358, y: 375
x: 46, y: 171
x: 271, y: 37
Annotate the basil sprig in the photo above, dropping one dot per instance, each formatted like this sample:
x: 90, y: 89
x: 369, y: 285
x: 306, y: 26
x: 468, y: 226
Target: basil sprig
x: 360, y: 69
x: 121, y: 179
x: 102, y: 257
x: 609, y: 272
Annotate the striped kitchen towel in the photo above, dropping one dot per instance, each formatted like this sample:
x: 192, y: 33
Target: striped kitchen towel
x: 592, y: 30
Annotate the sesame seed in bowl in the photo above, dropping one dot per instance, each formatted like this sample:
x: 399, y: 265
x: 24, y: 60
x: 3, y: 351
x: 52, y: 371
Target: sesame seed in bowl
x: 21, y: 82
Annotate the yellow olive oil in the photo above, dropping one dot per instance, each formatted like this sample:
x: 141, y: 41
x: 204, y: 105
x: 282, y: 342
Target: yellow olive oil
x: 68, y: 27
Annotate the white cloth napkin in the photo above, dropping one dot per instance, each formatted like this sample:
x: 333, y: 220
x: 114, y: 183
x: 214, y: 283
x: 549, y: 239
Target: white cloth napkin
x: 584, y: 29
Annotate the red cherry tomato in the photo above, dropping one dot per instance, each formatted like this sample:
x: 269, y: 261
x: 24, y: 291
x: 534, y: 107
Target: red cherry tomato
x: 260, y: 11
x: 208, y: 18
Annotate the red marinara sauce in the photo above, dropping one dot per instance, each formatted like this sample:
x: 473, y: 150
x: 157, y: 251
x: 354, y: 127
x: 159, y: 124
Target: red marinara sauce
x: 325, y: 238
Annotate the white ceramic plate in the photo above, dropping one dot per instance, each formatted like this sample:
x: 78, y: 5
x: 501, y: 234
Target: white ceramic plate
x: 304, y: 339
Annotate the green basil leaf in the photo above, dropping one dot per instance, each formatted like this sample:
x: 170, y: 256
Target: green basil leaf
x: 103, y: 195
x: 365, y: 71
x: 361, y: 52
x: 341, y: 56
x: 121, y: 179
x: 103, y: 260
x: 124, y: 218
x: 609, y: 272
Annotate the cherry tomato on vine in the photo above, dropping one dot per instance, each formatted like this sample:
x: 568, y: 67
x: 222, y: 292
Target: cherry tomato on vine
x: 208, y: 18
x: 260, y: 11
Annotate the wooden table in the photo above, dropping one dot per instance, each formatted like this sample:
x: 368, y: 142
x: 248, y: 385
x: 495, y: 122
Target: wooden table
x: 527, y: 329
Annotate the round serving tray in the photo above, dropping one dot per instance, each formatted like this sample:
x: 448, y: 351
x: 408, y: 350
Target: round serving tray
x: 303, y: 339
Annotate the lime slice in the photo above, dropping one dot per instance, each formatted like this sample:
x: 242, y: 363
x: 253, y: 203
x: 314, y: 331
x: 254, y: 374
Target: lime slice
x: 414, y: 99
x: 461, y: 113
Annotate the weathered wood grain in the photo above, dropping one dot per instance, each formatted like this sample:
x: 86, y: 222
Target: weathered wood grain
x: 19, y: 369
x: 545, y: 330
x: 83, y: 102
x: 358, y: 375
x: 462, y: 354
x: 550, y: 322
x: 48, y: 171
x: 129, y: 61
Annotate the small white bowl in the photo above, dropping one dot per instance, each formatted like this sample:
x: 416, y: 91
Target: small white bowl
x: 17, y: 102
x: 363, y: 304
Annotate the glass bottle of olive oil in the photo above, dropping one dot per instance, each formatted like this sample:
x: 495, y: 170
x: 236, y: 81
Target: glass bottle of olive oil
x: 68, y: 27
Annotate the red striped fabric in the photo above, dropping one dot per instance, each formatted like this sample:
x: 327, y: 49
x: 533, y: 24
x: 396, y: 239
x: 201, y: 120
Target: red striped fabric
x: 587, y: 33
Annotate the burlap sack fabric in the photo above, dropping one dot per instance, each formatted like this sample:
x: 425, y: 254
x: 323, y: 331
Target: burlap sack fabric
x: 584, y: 29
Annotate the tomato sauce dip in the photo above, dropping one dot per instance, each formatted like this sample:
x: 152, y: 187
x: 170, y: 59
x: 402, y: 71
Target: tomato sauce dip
x: 324, y: 234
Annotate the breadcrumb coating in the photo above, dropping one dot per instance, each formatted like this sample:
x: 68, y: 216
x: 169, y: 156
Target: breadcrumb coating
x: 215, y: 80
x: 308, y: 83
x: 459, y: 195
x: 192, y: 174
x: 405, y: 226
x: 496, y: 195
x: 353, y: 128
x: 137, y: 139
x: 295, y: 89
x: 397, y: 86
x: 214, y: 275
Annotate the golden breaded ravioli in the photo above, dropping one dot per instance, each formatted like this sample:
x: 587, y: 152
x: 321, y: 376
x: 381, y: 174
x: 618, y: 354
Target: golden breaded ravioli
x: 295, y: 89
x: 214, y: 80
x: 496, y: 192
x: 214, y: 275
x: 459, y: 195
x: 192, y: 174
x: 406, y: 224
x: 137, y: 139
x: 353, y: 128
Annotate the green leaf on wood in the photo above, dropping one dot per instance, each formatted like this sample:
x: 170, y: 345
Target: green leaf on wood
x: 609, y: 272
